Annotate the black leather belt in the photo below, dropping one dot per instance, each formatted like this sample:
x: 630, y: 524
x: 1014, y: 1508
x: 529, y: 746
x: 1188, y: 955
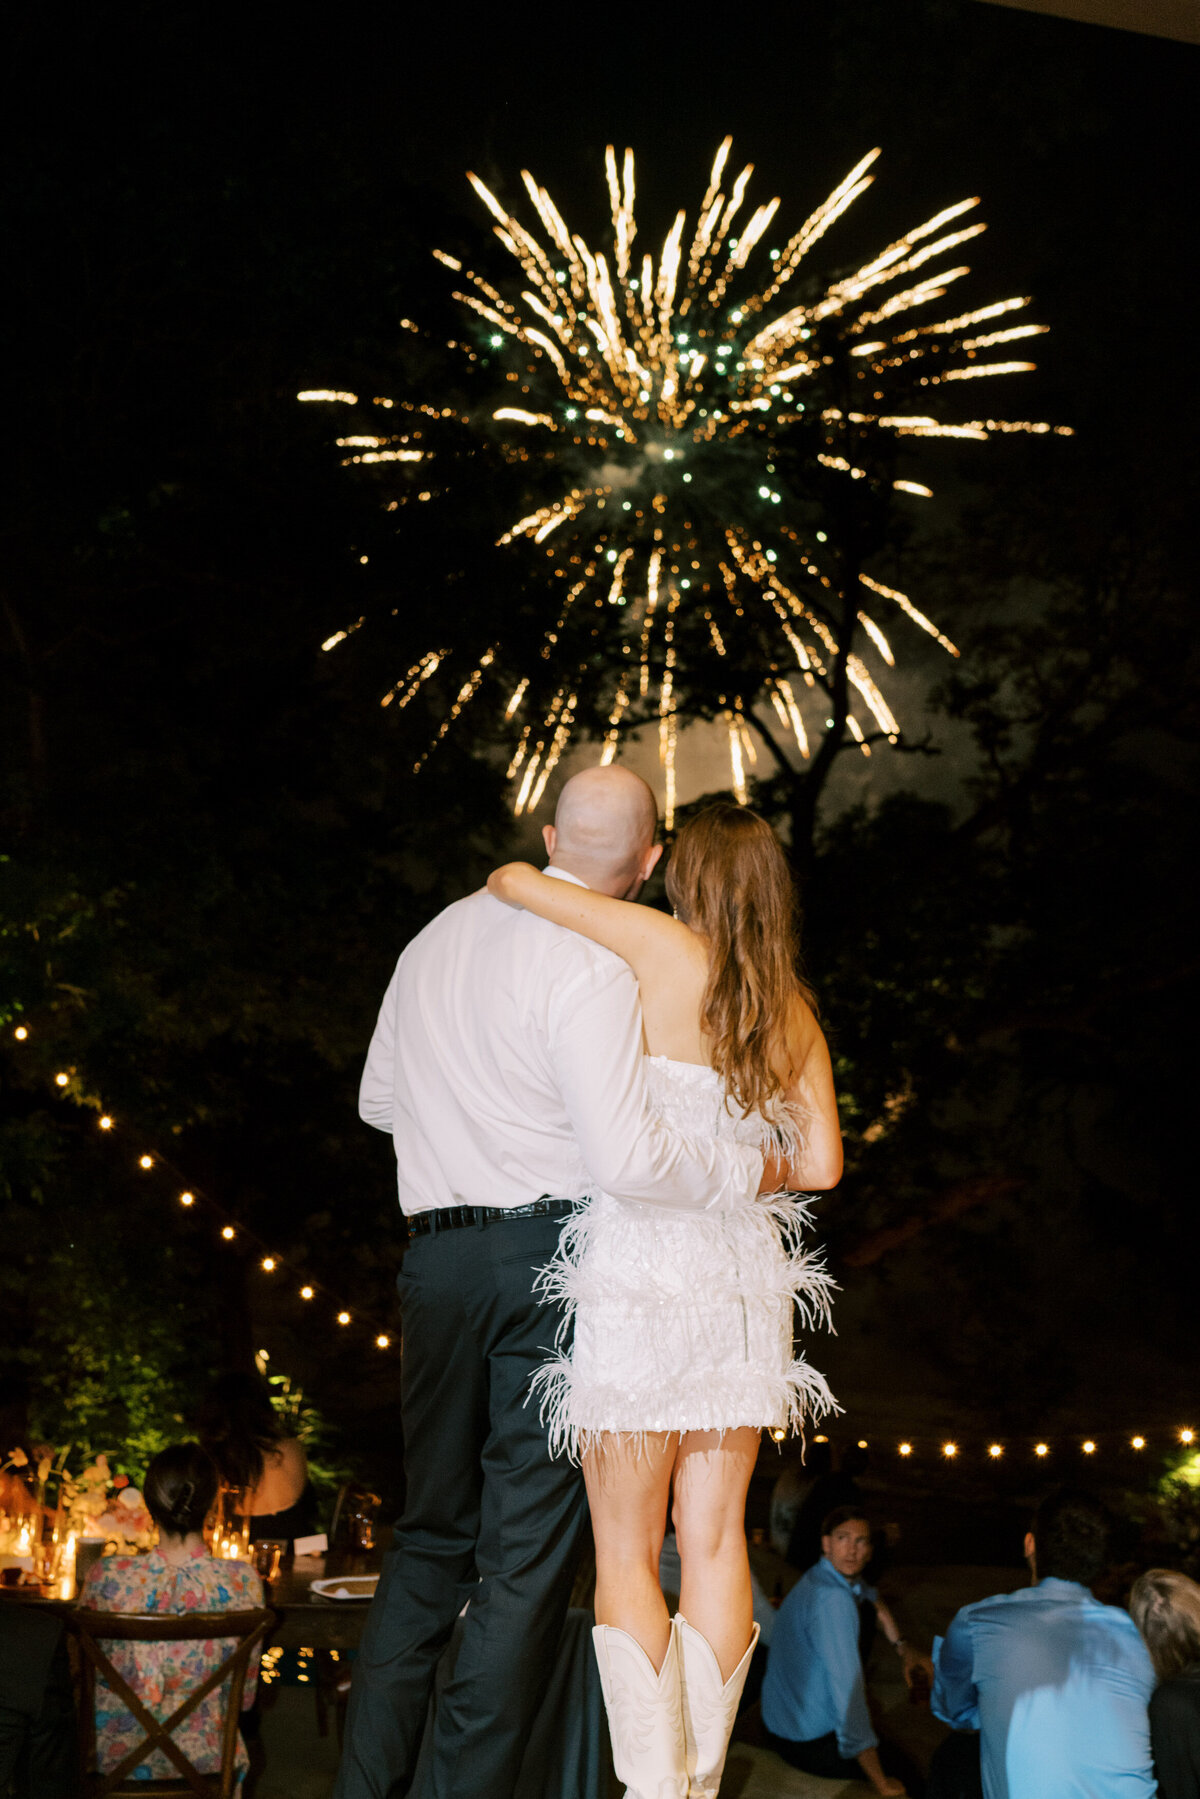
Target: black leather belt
x: 457, y: 1218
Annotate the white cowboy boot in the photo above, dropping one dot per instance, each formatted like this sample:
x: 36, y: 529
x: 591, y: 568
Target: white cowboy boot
x: 645, y: 1720
x: 709, y: 1707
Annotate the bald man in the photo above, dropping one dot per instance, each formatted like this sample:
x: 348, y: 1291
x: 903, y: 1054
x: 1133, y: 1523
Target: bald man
x: 507, y: 1066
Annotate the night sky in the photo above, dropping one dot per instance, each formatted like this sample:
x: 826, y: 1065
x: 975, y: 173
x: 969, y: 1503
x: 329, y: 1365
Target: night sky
x: 206, y: 214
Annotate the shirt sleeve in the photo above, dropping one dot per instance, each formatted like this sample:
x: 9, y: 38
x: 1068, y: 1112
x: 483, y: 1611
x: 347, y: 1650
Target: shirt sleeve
x: 376, y: 1093
x: 596, y: 1048
x: 833, y: 1626
x: 955, y: 1697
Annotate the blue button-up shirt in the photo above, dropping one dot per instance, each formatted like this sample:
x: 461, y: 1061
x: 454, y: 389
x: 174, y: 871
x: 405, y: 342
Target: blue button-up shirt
x: 814, y: 1679
x: 1057, y: 1685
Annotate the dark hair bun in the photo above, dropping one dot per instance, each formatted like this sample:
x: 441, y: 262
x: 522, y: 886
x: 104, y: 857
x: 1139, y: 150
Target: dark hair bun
x: 181, y: 1485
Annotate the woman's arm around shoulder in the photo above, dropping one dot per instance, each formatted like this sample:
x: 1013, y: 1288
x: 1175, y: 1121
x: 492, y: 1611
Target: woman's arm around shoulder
x: 818, y: 1165
x: 638, y: 934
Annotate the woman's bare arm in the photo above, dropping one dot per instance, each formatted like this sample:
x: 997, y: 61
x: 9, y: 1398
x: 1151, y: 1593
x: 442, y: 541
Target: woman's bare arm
x: 638, y: 934
x: 819, y: 1164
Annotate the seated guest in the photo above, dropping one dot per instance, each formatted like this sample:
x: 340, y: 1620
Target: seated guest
x: 242, y: 1433
x: 829, y: 1492
x: 1166, y: 1609
x: 814, y: 1700
x: 37, y: 1707
x: 178, y: 1576
x: 1056, y: 1683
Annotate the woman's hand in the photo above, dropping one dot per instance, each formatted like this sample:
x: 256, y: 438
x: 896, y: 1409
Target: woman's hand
x: 505, y: 883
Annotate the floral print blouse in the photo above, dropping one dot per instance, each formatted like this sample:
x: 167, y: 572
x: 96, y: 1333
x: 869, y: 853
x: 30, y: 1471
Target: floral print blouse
x: 164, y: 1674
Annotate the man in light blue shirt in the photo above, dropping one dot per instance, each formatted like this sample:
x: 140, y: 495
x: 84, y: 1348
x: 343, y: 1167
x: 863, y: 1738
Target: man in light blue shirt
x: 1056, y: 1683
x: 814, y: 1701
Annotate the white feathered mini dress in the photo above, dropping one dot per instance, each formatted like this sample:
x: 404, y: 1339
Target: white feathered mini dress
x: 684, y: 1320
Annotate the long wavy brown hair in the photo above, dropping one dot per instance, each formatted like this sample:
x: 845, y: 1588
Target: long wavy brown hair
x: 728, y: 879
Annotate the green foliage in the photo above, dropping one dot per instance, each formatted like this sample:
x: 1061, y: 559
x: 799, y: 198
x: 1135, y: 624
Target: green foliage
x: 305, y: 1421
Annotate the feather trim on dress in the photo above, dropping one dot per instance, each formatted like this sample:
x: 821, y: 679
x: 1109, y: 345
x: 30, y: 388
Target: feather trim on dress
x: 679, y: 1320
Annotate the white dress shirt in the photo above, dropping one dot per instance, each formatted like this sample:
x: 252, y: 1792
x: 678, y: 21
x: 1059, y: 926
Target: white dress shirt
x: 507, y: 1064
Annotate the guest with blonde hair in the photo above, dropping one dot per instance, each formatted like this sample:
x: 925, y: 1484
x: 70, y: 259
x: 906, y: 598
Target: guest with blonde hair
x: 1165, y: 1606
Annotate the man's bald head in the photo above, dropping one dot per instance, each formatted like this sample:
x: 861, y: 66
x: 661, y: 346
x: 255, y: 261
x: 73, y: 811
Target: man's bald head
x: 604, y: 829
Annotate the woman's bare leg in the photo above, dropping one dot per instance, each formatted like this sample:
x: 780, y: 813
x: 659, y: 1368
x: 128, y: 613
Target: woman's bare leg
x: 712, y: 1475
x: 627, y: 1491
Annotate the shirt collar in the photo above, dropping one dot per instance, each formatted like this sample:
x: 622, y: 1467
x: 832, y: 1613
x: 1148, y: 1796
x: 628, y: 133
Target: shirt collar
x: 851, y: 1586
x: 562, y: 874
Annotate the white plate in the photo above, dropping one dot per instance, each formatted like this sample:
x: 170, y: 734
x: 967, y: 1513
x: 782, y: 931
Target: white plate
x: 350, y: 1586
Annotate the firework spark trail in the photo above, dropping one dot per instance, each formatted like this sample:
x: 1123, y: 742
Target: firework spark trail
x: 661, y: 389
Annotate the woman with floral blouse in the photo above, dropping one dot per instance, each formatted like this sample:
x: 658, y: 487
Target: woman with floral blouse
x: 178, y: 1576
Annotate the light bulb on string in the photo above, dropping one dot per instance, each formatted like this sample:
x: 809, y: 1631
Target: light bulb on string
x: 995, y: 1450
x: 268, y: 1264
x: 949, y: 1450
x: 145, y: 1161
x: 1041, y: 1449
x: 382, y: 1341
x: 343, y: 1317
x: 1187, y: 1436
x: 105, y: 1121
x: 1137, y: 1442
x: 61, y: 1080
x: 306, y: 1292
x: 906, y: 1449
x: 21, y: 1033
x: 187, y: 1199
x: 228, y: 1233
x: 1089, y: 1448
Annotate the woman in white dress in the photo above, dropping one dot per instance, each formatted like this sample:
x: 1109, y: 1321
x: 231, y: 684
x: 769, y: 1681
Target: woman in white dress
x: 683, y: 1323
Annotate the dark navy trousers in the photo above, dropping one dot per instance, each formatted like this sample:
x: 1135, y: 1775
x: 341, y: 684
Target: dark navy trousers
x: 488, y: 1518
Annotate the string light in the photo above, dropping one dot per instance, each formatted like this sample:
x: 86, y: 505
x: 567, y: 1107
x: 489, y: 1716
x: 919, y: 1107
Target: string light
x: 187, y: 1199
x: 949, y: 1450
x: 906, y: 1449
x: 628, y: 368
x: 1187, y: 1436
x: 1137, y: 1442
x: 995, y: 1450
x: 1089, y: 1447
x: 1042, y: 1449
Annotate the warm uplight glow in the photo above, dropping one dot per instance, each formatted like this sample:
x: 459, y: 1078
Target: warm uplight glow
x: 268, y: 1264
x: 145, y: 1161
x: 1137, y: 1442
x: 906, y: 1449
x: 61, y: 1080
x: 306, y: 1292
x: 995, y: 1450
x: 382, y: 1341
x: 1042, y: 1449
x: 343, y: 1317
x: 187, y: 1199
x: 105, y: 1122
x: 613, y: 373
x: 1089, y: 1447
x: 227, y: 1232
x: 950, y: 1450
x: 21, y: 1033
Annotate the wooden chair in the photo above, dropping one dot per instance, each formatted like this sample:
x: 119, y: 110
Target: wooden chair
x: 91, y: 1628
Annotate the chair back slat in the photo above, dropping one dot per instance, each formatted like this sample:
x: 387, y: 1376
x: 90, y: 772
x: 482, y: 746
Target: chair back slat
x: 91, y: 1628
